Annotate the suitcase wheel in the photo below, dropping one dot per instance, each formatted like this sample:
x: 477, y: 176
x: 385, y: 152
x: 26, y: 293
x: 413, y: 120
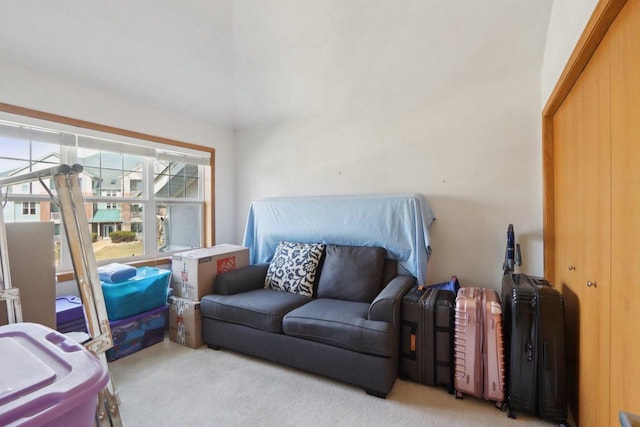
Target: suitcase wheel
x: 511, y: 413
x: 458, y: 395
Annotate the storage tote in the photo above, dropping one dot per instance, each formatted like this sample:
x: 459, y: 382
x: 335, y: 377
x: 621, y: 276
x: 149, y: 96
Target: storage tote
x: 46, y: 378
x: 146, y: 290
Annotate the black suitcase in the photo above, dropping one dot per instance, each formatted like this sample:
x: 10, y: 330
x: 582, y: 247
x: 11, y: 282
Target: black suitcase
x: 534, y: 333
x: 426, y: 338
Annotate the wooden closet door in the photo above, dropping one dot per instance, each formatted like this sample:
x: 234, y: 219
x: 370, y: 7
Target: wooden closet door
x: 593, y: 275
x: 582, y: 213
x: 568, y: 245
x: 625, y: 212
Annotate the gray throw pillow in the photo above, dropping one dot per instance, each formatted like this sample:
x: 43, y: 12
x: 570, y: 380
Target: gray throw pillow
x: 352, y: 273
x: 294, y: 267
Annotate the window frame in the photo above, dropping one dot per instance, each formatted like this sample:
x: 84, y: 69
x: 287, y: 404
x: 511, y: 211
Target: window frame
x: 208, y: 216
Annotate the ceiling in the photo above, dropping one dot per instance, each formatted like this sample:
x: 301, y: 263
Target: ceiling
x: 242, y: 63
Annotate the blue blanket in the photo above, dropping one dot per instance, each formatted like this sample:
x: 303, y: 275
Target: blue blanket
x: 116, y: 273
x: 398, y: 223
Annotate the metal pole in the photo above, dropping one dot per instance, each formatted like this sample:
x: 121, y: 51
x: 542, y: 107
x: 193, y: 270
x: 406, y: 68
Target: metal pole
x: 86, y: 271
x: 7, y: 292
x: 34, y: 176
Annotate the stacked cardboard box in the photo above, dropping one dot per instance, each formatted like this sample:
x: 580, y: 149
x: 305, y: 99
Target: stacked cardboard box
x: 193, y: 276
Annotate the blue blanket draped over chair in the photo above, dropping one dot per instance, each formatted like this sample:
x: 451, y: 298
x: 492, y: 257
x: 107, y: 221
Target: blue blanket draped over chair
x: 398, y: 223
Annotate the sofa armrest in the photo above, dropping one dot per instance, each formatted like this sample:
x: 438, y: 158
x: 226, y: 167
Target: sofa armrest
x: 386, y: 306
x: 241, y: 280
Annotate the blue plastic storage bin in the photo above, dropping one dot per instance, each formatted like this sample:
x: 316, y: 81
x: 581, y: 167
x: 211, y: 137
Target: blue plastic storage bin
x: 143, y: 292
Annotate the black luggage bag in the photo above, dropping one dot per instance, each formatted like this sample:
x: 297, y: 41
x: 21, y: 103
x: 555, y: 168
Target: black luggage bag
x: 534, y: 325
x: 426, y: 338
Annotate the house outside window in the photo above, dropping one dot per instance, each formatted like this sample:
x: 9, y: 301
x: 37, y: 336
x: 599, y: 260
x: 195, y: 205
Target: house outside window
x: 127, y: 184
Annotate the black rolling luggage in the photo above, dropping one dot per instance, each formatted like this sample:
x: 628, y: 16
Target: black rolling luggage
x: 534, y: 325
x: 426, y: 339
x: 534, y: 332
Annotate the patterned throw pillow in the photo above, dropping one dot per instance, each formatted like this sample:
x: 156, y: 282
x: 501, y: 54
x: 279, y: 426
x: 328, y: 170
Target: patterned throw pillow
x: 293, y: 268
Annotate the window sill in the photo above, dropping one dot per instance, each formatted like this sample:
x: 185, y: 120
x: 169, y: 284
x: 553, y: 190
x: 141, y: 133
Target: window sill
x: 67, y: 276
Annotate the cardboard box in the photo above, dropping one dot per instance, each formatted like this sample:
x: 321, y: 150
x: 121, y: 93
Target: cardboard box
x: 194, y: 271
x: 33, y: 271
x: 185, y: 323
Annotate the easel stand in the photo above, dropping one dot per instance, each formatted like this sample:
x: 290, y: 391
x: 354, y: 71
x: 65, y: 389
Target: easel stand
x: 76, y: 226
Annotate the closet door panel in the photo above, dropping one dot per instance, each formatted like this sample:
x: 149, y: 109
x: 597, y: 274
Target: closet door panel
x: 581, y: 156
x: 568, y: 245
x: 593, y: 274
x: 625, y: 211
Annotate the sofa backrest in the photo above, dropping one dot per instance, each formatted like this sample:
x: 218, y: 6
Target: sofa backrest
x: 390, y: 271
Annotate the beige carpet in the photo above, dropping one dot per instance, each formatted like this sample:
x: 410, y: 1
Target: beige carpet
x: 170, y: 385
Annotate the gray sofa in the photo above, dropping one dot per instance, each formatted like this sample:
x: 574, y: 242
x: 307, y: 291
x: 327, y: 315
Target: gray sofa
x: 348, y: 329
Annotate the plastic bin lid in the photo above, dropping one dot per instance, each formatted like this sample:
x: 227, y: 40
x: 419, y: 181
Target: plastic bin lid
x: 14, y: 382
x: 44, y: 374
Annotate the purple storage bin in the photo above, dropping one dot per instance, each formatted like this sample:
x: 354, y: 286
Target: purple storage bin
x: 137, y: 332
x: 47, y: 379
x: 78, y: 325
x: 69, y: 314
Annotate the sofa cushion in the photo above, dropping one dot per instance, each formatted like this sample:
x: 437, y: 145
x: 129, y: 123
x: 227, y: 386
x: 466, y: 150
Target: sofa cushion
x: 261, y: 308
x: 342, y: 324
x: 293, y: 268
x: 352, y: 273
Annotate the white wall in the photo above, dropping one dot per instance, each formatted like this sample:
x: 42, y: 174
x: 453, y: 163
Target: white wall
x: 25, y: 88
x: 474, y: 151
x: 567, y: 22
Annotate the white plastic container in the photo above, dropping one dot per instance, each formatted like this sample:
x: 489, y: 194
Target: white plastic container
x: 47, y: 379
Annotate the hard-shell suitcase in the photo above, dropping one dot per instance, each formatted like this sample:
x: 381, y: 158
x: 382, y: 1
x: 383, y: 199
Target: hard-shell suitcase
x: 426, y: 339
x: 535, y: 343
x: 478, y: 345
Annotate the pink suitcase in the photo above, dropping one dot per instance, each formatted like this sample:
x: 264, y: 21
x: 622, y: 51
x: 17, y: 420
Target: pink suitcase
x: 478, y: 345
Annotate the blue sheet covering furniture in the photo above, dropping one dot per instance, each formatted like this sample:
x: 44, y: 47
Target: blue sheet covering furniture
x: 399, y: 223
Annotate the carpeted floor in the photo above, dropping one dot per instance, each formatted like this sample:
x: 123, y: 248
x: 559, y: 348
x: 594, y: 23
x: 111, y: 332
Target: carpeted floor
x: 170, y: 385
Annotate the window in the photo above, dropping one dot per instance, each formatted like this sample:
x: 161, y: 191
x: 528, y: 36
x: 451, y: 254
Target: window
x: 174, y: 229
x: 143, y: 185
x: 135, y: 187
x: 28, y: 208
